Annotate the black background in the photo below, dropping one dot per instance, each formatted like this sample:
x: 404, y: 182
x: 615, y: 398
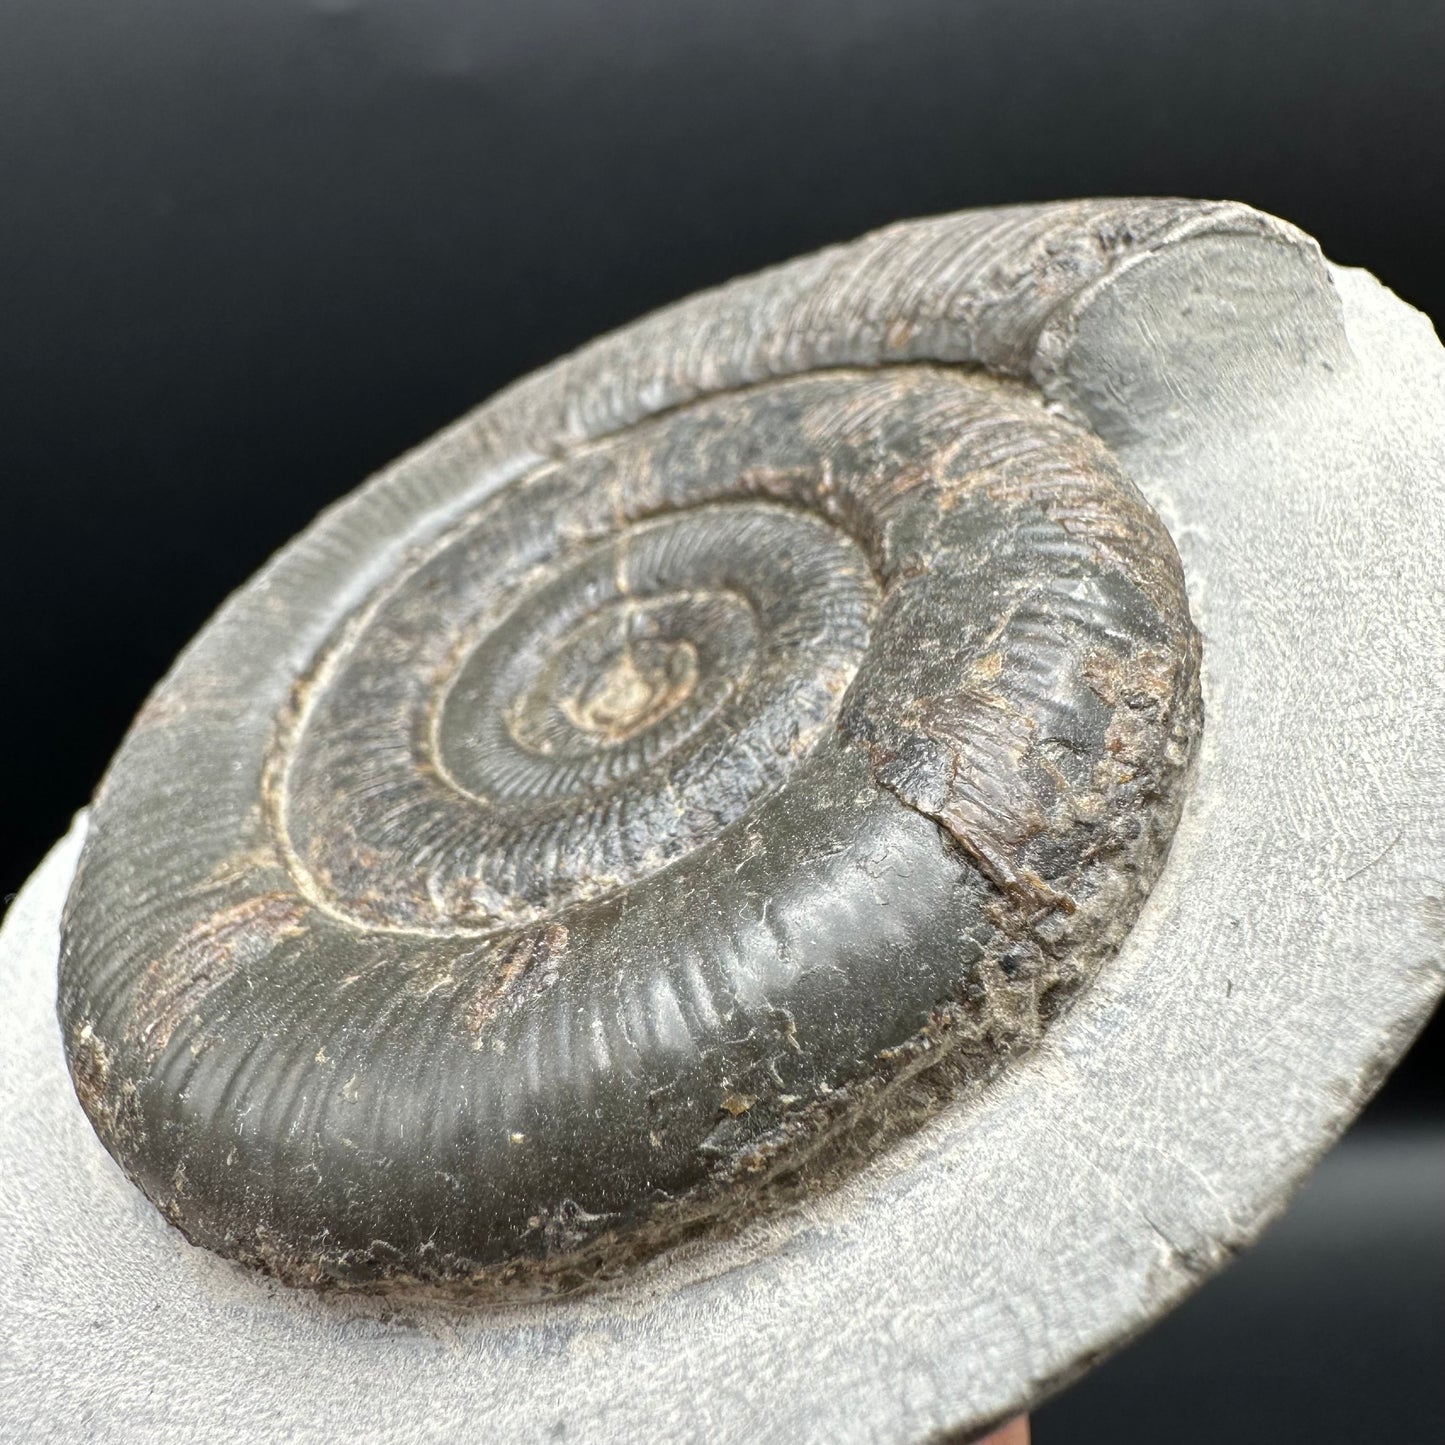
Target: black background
x: 251, y: 249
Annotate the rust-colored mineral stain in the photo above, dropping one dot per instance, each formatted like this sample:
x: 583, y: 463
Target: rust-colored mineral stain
x: 530, y: 956
x: 177, y: 984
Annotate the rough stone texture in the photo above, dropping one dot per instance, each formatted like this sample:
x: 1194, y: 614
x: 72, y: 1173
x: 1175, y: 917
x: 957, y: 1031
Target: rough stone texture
x: 1290, y: 949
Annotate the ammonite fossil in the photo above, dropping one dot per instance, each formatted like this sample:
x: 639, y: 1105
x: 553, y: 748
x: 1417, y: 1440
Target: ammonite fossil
x: 697, y: 829
x: 657, y: 792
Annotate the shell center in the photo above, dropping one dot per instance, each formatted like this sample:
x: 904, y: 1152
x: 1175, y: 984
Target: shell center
x: 633, y: 689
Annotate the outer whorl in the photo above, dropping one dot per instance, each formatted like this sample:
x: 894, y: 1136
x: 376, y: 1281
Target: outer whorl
x: 654, y: 793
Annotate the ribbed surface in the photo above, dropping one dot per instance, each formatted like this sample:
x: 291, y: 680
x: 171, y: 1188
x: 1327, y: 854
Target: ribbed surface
x: 471, y: 759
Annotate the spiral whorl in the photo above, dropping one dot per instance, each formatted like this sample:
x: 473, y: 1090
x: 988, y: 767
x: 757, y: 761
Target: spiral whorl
x: 545, y: 712
x: 511, y: 880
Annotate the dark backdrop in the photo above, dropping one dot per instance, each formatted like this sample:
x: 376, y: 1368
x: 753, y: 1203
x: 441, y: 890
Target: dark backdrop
x: 251, y: 249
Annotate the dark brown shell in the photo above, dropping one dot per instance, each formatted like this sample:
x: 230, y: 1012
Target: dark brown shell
x: 650, y: 796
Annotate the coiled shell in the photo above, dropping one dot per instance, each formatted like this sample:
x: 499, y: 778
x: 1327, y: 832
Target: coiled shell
x: 656, y: 792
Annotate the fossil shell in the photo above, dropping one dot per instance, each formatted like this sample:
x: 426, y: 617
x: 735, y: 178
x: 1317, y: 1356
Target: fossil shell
x: 655, y: 793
